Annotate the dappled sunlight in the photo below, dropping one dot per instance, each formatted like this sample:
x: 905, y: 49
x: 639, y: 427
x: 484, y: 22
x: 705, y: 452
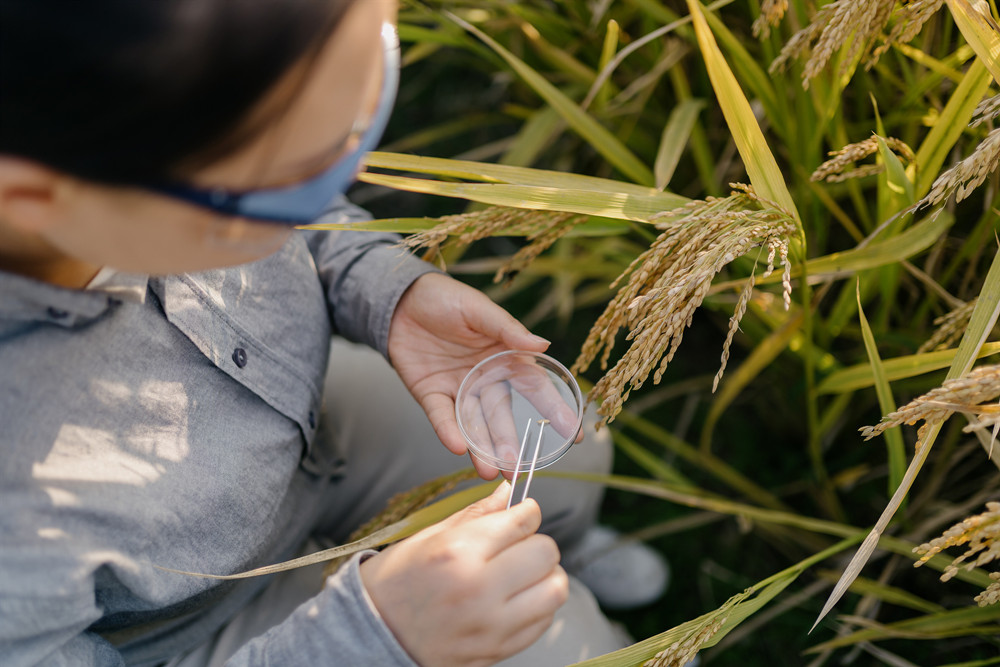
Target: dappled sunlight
x: 82, y: 454
x: 134, y: 456
x: 52, y: 533
x: 60, y: 497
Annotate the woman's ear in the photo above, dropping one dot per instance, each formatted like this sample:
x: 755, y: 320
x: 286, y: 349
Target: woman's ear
x: 28, y: 194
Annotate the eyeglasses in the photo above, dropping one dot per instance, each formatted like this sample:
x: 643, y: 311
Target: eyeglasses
x: 306, y: 200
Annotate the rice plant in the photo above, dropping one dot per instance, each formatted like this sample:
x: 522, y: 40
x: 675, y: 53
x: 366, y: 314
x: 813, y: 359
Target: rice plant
x: 581, y: 161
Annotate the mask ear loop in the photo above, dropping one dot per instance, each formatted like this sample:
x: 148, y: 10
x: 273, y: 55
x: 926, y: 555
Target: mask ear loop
x: 534, y: 461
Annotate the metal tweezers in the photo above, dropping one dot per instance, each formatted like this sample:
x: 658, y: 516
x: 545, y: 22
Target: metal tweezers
x: 520, y: 457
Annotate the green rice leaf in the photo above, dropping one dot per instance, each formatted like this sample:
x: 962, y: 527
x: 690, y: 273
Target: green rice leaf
x: 952, y: 623
x: 753, y: 75
x: 890, y: 594
x: 765, y: 176
x: 603, y: 141
x: 734, y: 611
x: 501, y: 173
x: 675, y: 137
x: 893, y: 436
x: 950, y: 125
x: 621, y: 205
x: 593, y: 226
x: 978, y: 32
x: 857, y: 377
x: 898, y: 182
x: 608, y: 50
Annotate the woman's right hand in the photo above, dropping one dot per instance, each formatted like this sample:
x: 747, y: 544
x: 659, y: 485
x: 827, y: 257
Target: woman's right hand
x: 476, y: 588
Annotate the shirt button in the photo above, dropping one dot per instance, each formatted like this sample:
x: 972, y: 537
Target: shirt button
x: 312, y: 419
x: 240, y: 357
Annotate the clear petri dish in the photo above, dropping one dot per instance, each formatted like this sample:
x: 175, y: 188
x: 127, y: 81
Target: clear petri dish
x: 519, y: 406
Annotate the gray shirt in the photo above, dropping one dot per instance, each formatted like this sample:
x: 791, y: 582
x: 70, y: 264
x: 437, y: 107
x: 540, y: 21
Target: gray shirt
x: 170, y: 421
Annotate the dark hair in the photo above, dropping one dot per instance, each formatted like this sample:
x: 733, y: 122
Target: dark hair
x: 124, y: 91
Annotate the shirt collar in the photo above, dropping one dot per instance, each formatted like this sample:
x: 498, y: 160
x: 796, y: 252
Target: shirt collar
x: 25, y: 300
x: 125, y: 286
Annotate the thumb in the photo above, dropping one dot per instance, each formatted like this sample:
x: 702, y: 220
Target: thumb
x: 494, y: 502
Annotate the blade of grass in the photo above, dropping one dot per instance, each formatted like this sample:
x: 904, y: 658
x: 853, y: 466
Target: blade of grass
x: 950, y: 125
x: 675, y: 137
x: 594, y: 226
x: 983, y: 39
x: 608, y: 49
x: 708, y: 462
x: 683, y: 495
x: 755, y: 77
x: 533, y: 137
x: 501, y: 173
x: 620, y: 205
x: 733, y: 612
x: 897, y: 368
x: 652, y: 464
x: 951, y: 623
x: 765, y: 176
x: 893, y: 437
x: 897, y: 180
x: 603, y: 141
x: 890, y: 594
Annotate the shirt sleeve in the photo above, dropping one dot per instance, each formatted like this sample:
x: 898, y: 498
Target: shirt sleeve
x: 364, y: 274
x: 339, y: 626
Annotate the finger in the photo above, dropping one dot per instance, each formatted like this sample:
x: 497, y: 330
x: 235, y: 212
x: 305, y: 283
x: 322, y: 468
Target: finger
x: 498, y: 415
x: 527, y: 635
x: 526, y: 563
x: 479, y: 433
x: 440, y: 410
x: 535, y: 385
x: 493, y: 503
x: 495, y: 531
x: 486, y: 317
x: 485, y: 470
x: 539, y: 602
x: 529, y: 614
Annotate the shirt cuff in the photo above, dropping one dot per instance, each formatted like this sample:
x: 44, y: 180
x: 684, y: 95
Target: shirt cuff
x: 366, y: 623
x: 401, y: 269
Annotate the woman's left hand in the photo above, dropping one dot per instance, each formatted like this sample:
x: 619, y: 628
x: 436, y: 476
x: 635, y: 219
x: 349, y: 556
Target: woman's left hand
x: 441, y: 329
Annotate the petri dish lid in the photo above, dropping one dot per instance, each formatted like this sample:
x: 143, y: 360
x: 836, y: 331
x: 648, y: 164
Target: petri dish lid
x: 517, y: 398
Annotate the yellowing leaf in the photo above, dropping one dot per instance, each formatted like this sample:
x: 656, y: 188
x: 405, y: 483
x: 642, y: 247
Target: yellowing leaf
x: 979, y: 33
x: 765, y: 176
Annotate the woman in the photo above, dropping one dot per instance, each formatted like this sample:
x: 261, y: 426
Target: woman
x: 159, y: 408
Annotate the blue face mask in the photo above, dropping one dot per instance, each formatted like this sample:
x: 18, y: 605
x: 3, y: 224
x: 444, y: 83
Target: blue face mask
x: 305, y: 201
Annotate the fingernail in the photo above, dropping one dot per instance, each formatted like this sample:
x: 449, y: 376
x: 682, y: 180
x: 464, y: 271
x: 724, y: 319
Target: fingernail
x: 503, y: 489
x: 539, y: 339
